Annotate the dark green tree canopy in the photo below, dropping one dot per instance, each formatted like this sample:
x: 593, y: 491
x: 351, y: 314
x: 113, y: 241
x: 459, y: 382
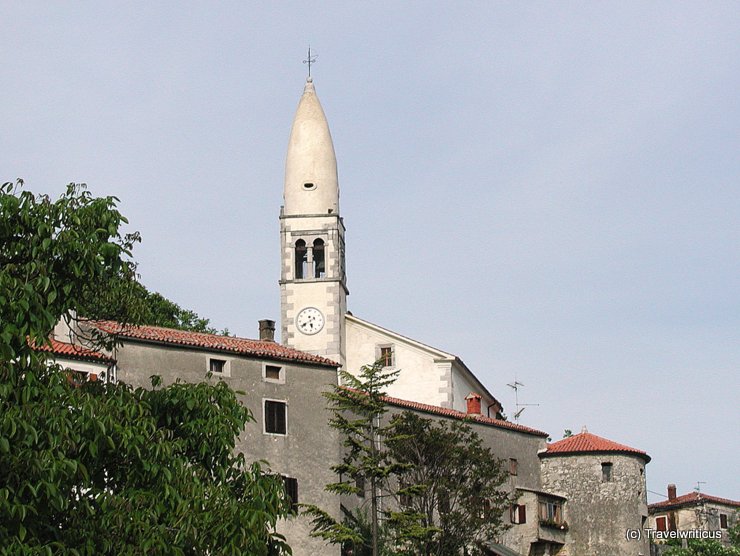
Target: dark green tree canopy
x: 103, y: 468
x: 459, y: 495
x: 443, y: 485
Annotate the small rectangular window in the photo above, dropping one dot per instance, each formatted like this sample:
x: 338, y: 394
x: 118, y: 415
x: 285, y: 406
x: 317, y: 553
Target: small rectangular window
x: 360, y: 485
x: 443, y: 505
x: 276, y: 418
x: 513, y: 466
x: 291, y: 489
x: 606, y: 472
x: 551, y: 511
x: 723, y: 521
x: 386, y: 356
x: 519, y: 514
x: 273, y: 373
x: 661, y: 523
x: 404, y: 500
x: 216, y: 366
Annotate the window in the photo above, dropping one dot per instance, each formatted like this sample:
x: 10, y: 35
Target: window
x: 606, y: 472
x: 273, y: 373
x: 216, y: 366
x: 404, y: 500
x: 385, y: 356
x: 319, y: 264
x: 551, y: 511
x: 78, y: 378
x: 276, y: 417
x: 485, y: 507
x: 443, y: 504
x: 661, y: 523
x: 723, y: 521
x: 518, y: 514
x: 360, y: 484
x: 309, y: 186
x: 301, y: 260
x: 291, y: 489
x: 513, y: 466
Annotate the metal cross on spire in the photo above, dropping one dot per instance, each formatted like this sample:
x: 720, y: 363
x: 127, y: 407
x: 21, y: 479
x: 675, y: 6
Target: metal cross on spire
x: 311, y: 59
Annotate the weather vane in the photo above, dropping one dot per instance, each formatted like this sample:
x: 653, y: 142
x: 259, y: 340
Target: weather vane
x: 311, y: 59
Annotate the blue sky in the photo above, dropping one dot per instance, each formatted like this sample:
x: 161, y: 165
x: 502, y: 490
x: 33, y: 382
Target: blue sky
x: 548, y: 190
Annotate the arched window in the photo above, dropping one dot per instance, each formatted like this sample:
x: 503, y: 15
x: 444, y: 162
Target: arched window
x: 318, y: 258
x: 301, y: 259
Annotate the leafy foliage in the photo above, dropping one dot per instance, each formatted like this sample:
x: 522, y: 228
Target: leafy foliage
x: 154, y: 309
x: 103, y: 468
x: 443, y: 482
x: 707, y: 547
x: 458, y: 493
x: 358, y: 410
x: 699, y: 547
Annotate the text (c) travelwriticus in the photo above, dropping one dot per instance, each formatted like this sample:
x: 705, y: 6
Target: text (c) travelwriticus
x: 654, y: 534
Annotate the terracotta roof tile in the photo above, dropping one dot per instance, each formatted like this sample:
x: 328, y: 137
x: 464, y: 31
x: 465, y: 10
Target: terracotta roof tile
x: 454, y: 414
x: 242, y: 346
x: 691, y: 499
x: 586, y: 442
x: 65, y: 349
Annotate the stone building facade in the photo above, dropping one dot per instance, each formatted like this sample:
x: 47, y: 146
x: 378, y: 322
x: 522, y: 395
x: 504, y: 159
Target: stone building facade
x: 283, y: 389
x: 695, y: 511
x: 604, y: 485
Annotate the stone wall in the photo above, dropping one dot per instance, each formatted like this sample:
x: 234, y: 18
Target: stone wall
x: 600, y: 512
x: 305, y: 452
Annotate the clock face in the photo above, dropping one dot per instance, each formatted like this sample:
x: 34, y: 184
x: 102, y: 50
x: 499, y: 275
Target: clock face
x: 310, y: 320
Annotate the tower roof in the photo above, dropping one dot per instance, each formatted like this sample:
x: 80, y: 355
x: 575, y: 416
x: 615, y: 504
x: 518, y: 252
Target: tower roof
x: 587, y: 443
x: 311, y: 183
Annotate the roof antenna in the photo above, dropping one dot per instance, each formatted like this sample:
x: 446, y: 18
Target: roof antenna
x: 698, y: 486
x: 520, y: 407
x: 311, y: 59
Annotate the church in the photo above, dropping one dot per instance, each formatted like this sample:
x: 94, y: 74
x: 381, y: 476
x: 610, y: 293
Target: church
x: 313, y: 280
x: 574, y: 497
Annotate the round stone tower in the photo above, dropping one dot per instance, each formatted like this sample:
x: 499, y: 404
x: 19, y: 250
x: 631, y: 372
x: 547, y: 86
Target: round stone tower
x: 604, y: 483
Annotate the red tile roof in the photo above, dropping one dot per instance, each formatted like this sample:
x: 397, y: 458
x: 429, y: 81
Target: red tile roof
x: 72, y: 351
x: 586, y: 442
x: 454, y: 414
x: 263, y: 349
x: 691, y: 499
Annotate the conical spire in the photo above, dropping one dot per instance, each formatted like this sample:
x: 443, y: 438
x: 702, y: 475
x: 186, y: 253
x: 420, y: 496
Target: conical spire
x: 311, y: 183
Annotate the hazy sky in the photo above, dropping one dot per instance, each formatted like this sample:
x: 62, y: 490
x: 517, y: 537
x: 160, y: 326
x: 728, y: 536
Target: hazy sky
x: 548, y: 190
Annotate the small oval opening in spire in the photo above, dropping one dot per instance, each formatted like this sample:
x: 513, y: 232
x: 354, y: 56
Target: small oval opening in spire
x: 309, y: 186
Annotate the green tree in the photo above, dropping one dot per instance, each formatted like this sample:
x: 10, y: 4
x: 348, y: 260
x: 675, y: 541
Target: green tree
x: 700, y: 547
x: 358, y: 413
x: 707, y: 547
x: 105, y: 469
x: 459, y: 495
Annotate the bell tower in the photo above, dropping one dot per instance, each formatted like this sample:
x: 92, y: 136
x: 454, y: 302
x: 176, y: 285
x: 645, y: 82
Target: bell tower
x: 313, y: 285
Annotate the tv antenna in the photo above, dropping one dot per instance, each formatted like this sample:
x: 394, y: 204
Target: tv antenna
x: 698, y: 486
x: 520, y: 407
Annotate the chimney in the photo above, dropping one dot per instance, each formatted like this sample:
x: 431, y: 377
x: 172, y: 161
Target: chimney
x: 267, y: 330
x: 671, y: 492
x: 473, y: 400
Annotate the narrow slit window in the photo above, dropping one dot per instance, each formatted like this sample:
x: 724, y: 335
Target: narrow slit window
x: 606, y: 472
